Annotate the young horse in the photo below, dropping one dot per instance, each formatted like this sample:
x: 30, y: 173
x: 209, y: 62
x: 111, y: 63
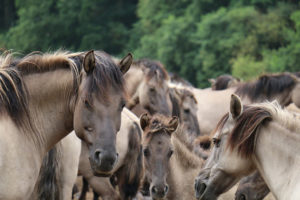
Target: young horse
x: 170, y: 167
x: 223, y: 82
x: 260, y: 136
x: 128, y: 171
x: 77, y: 92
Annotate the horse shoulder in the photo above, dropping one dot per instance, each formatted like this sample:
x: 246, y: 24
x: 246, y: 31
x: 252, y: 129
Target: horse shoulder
x: 14, y: 167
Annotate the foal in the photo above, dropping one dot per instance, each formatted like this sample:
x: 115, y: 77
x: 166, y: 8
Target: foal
x: 170, y: 167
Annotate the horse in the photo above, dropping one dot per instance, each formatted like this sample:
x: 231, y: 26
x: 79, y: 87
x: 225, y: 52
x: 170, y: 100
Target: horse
x: 43, y: 98
x: 259, y: 136
x: 170, y: 167
x: 128, y: 171
x: 284, y: 87
x: 184, y: 106
x: 254, y: 187
x: 147, y: 86
x: 223, y: 82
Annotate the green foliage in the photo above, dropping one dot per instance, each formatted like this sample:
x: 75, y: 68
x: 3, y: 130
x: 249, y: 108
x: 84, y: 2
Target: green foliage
x: 72, y: 24
x: 197, y: 39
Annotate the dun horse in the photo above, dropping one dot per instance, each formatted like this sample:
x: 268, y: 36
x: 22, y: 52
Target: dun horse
x: 260, y: 136
x: 285, y: 88
x: 170, y: 167
x: 128, y: 171
x: 254, y: 187
x: 45, y: 97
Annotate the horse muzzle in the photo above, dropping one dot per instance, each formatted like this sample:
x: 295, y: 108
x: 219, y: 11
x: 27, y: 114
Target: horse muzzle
x: 103, y: 162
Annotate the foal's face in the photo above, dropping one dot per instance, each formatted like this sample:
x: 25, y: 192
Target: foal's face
x: 223, y: 168
x: 97, y: 119
x: 158, y: 151
x: 157, y: 154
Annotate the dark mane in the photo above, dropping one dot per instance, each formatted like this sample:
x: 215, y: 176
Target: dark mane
x: 153, y: 66
x: 13, y: 93
x: 106, y: 74
x: 244, y: 134
x: 266, y: 86
x: 222, y: 82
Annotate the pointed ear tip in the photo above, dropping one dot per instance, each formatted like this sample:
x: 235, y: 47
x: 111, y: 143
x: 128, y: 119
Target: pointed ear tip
x: 91, y: 51
x: 130, y: 54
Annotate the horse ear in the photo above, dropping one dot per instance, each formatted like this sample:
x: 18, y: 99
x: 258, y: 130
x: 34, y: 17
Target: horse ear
x: 144, y: 121
x: 236, y: 106
x: 125, y: 63
x: 89, y: 62
x: 173, y: 123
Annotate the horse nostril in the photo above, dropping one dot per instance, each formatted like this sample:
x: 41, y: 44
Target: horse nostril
x: 187, y: 111
x: 242, y: 197
x: 166, y: 189
x: 154, y: 190
x: 97, y: 155
x: 202, y: 188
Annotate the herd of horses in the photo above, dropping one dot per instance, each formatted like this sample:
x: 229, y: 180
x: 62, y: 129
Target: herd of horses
x: 134, y: 131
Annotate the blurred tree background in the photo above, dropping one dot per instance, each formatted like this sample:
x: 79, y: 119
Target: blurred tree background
x: 197, y: 39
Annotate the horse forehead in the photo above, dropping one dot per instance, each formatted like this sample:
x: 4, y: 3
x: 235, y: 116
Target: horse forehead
x: 160, y: 142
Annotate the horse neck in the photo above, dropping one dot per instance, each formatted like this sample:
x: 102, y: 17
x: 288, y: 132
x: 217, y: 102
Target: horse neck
x: 184, y: 167
x: 49, y: 105
x: 184, y: 156
x: 277, y: 161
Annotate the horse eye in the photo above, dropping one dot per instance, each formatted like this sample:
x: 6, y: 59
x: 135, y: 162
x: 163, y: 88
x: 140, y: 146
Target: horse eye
x: 87, y: 103
x: 146, y: 152
x: 122, y: 104
x: 170, y: 153
x: 216, y: 142
x: 89, y: 129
